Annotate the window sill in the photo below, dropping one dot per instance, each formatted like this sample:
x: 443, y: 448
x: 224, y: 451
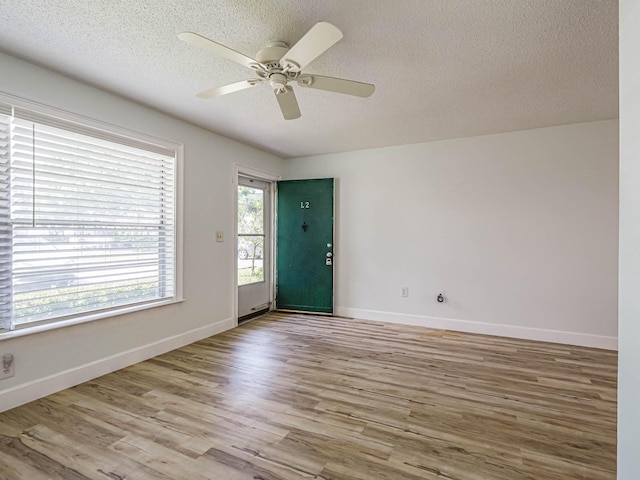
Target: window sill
x: 45, y: 327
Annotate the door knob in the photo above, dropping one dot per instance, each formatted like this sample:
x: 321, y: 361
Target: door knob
x: 329, y: 254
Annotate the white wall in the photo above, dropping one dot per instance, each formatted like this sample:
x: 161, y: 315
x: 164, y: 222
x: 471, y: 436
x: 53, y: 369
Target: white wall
x: 56, y: 359
x: 629, y: 322
x: 520, y: 230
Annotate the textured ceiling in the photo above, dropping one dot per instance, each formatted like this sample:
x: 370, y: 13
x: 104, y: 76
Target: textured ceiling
x: 442, y: 68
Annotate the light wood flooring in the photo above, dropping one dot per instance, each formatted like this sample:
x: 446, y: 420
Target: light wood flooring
x: 309, y: 397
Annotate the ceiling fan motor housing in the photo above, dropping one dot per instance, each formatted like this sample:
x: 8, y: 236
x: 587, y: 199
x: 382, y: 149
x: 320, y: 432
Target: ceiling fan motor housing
x: 270, y: 55
x: 275, y: 72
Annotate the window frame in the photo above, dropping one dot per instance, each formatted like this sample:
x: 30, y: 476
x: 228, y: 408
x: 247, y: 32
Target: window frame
x: 113, y: 130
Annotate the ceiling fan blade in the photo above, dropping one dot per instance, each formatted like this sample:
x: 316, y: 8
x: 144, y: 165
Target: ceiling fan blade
x: 213, y: 47
x: 316, y: 41
x: 288, y: 103
x: 339, y: 85
x: 233, y: 87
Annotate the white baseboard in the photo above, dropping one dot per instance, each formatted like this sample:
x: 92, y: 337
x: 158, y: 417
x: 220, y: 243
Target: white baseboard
x: 468, y: 326
x: 21, y: 394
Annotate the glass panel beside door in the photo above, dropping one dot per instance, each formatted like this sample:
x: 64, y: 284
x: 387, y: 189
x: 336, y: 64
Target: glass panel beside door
x: 253, y: 247
x: 250, y: 235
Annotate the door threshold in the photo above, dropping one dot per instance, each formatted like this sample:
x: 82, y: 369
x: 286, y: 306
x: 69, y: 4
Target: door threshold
x: 252, y: 316
x: 284, y: 310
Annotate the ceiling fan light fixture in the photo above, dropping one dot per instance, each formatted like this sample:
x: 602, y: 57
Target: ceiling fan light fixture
x: 278, y: 81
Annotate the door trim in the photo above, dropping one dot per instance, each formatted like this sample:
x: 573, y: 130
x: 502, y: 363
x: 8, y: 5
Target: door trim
x: 266, y: 176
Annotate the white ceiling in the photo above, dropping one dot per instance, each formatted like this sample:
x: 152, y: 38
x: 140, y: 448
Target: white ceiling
x: 442, y: 68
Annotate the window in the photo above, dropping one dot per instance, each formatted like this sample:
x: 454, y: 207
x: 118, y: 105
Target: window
x: 250, y: 235
x: 87, y: 220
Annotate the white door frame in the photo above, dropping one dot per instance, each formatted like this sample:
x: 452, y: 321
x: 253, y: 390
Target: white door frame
x: 248, y: 171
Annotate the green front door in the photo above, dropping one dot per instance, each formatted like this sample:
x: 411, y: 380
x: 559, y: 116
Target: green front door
x: 304, y: 246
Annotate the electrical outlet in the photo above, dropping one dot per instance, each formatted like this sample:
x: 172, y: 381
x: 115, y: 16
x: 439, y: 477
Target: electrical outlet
x: 404, y: 292
x: 219, y: 236
x: 8, y: 367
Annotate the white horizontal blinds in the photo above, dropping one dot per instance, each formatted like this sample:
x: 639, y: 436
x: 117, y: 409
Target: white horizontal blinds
x: 93, y: 220
x: 42, y: 119
x: 6, y: 291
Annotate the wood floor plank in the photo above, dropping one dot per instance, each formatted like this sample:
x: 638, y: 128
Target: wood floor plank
x: 17, y: 469
x: 33, y: 459
x: 292, y: 396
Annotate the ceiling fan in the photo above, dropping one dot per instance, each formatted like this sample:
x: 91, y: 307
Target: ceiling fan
x: 279, y: 65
